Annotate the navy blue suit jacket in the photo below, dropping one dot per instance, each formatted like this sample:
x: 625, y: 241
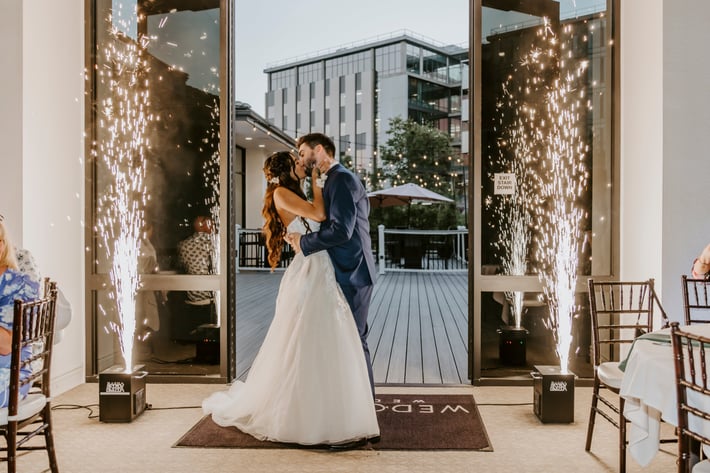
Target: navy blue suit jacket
x: 345, y: 233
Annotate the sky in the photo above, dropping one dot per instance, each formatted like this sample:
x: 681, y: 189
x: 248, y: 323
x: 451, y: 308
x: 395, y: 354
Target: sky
x: 266, y: 34
x: 270, y: 32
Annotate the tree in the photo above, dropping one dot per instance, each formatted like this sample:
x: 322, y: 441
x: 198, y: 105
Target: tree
x: 421, y: 155
x: 416, y: 153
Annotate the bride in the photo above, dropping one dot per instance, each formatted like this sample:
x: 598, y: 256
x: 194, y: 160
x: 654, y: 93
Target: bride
x: 309, y: 383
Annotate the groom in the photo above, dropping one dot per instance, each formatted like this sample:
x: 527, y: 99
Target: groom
x: 345, y: 233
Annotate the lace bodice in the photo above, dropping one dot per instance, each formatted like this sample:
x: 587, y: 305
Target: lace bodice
x: 297, y: 226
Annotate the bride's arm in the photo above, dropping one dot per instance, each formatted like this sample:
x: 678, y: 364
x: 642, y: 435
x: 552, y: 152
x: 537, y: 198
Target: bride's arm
x: 286, y: 199
x: 318, y: 203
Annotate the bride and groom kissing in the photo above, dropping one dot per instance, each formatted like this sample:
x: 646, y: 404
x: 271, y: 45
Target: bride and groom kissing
x: 311, y: 382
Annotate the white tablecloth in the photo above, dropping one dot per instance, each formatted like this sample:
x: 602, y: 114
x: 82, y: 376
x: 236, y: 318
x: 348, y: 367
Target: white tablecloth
x: 649, y: 390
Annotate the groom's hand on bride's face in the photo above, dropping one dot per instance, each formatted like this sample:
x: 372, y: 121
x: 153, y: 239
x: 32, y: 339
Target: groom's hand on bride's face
x: 294, y: 239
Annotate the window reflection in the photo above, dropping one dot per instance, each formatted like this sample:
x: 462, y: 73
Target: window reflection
x: 181, y: 80
x: 510, y: 38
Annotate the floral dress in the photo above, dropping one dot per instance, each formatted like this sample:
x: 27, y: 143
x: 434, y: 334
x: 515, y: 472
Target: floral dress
x: 13, y: 285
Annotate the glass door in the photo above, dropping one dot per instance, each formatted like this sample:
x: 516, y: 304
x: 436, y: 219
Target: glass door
x: 544, y: 184
x: 159, y: 116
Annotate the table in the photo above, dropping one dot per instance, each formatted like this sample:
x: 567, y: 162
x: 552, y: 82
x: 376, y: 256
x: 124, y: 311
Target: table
x: 648, y: 388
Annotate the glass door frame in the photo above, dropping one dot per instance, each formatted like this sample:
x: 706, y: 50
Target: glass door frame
x: 479, y: 283
x: 223, y: 282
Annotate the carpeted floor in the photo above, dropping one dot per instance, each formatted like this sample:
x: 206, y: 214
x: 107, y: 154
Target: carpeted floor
x: 407, y: 422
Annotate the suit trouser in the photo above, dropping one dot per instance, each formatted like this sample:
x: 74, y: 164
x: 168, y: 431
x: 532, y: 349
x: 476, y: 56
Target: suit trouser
x: 359, y: 301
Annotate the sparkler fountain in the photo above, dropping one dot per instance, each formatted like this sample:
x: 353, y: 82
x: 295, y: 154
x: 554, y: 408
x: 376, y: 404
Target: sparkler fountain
x: 121, y: 221
x: 514, y: 211
x: 563, y: 180
x: 543, y: 146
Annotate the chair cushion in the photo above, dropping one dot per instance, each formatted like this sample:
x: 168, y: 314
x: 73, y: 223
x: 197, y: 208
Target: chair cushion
x: 610, y: 374
x: 29, y: 406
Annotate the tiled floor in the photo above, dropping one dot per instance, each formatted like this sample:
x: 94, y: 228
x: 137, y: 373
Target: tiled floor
x: 520, y: 441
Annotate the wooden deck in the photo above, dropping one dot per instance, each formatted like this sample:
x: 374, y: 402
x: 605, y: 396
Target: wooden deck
x: 418, y: 325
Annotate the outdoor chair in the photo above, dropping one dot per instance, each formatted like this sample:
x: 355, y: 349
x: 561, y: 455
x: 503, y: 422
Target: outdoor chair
x: 619, y: 311
x: 24, y: 419
x: 696, y: 300
x: 693, y: 396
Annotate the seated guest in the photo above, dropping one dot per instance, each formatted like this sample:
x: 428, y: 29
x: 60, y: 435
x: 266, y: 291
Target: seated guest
x: 701, y: 265
x: 197, y: 254
x: 26, y: 264
x: 13, y: 285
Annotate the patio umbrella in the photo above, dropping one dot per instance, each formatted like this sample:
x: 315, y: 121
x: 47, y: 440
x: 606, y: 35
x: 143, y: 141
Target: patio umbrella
x: 404, y: 195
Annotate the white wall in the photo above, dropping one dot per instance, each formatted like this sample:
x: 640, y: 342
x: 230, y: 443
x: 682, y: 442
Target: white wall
x: 686, y: 133
x: 641, y: 179
x: 53, y: 171
x: 11, y: 117
x: 665, y: 168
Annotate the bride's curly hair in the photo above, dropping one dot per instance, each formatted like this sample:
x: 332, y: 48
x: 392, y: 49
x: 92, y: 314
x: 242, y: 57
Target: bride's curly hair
x: 279, y: 170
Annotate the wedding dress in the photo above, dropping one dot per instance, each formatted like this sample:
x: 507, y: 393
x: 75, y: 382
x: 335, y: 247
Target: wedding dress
x: 308, y: 383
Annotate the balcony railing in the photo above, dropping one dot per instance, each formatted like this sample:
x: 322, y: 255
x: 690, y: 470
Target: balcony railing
x: 394, y: 250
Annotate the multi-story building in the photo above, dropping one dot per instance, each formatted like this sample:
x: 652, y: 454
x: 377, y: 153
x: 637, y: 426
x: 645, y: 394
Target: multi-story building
x: 351, y: 93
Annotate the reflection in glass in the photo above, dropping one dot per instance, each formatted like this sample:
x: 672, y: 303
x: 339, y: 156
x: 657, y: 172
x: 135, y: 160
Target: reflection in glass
x: 518, y: 69
x: 173, y: 336
x: 545, y: 76
x: 538, y: 339
x: 180, y: 48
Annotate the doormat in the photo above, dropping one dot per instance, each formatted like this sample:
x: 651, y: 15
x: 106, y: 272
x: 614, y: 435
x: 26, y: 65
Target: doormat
x: 407, y: 422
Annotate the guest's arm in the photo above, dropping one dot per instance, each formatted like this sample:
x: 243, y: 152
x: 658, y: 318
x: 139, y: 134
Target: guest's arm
x: 701, y: 265
x: 5, y: 341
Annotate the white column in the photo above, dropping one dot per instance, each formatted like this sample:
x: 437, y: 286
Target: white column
x: 665, y: 164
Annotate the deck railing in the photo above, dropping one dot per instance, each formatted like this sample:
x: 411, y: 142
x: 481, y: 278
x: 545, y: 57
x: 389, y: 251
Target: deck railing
x: 422, y: 250
x: 394, y: 250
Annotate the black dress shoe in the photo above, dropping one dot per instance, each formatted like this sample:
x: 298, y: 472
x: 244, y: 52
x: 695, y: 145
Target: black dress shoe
x: 375, y: 439
x: 340, y: 447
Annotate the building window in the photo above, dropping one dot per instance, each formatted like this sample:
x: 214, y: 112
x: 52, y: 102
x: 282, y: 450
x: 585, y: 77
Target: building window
x: 341, y: 83
x: 358, y: 111
x: 284, y: 96
x: 313, y: 118
x: 312, y: 90
x: 327, y: 116
x: 342, y: 114
x: 388, y: 59
x: 327, y: 87
x: 413, y: 59
x: 358, y: 81
x: 298, y: 121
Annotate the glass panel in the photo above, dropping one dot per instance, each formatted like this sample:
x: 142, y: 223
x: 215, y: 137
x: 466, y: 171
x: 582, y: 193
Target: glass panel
x: 510, y: 351
x: 527, y: 60
x: 546, y: 181
x: 173, y: 336
x: 434, y: 66
x: 413, y: 54
x: 179, y: 80
x: 156, y: 166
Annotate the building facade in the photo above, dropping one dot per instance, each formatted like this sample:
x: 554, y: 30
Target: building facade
x: 352, y: 93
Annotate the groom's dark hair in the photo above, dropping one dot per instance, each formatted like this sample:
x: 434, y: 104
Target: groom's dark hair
x: 315, y: 139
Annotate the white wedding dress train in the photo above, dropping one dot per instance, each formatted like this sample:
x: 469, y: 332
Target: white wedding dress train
x: 308, y: 383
